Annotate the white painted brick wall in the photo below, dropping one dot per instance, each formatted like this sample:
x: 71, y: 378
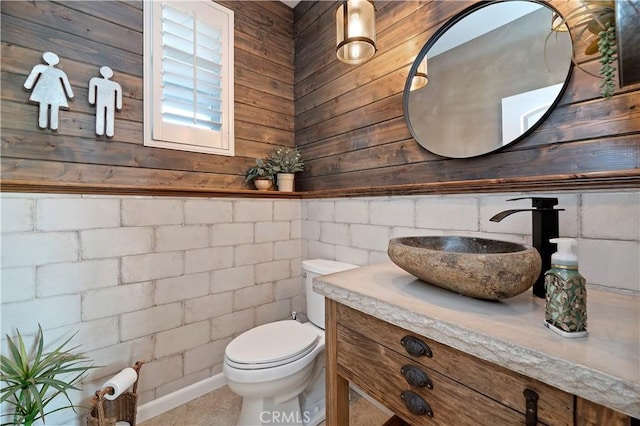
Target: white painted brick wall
x: 287, y: 249
x: 160, y: 371
x: 311, y: 229
x: 151, y: 211
x: 232, y: 324
x: 611, y: 216
x: 27, y: 249
x: 50, y: 312
x: 210, y: 269
x: 334, y: 233
x: 101, y: 243
x: 181, y: 288
x: 206, y: 307
x: 116, y: 300
x: 393, y: 212
x: 448, y: 213
x: 320, y: 210
x: 610, y: 263
x: 252, y: 296
x: 208, y: 211
x: 62, y: 214
x: 275, y: 311
x: 143, y: 267
x: 370, y: 237
x: 252, y: 210
x: 17, y: 214
x: 296, y: 228
x: 182, y: 338
x: 352, y: 211
x: 116, y: 357
x: 249, y: 254
x: 286, y: 289
x: 17, y: 284
x: 271, y: 271
x: 272, y: 231
x: 182, y: 382
x: 69, y: 278
x: 169, y: 238
x: 149, y: 321
x: 228, y: 234
x: 232, y: 279
x: 208, y: 259
x: 286, y: 210
x: 606, y: 224
x: 205, y: 356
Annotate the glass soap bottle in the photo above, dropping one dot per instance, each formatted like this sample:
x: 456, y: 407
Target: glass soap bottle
x: 566, y: 298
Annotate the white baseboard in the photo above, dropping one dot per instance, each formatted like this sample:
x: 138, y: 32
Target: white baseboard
x: 196, y: 390
x: 179, y: 397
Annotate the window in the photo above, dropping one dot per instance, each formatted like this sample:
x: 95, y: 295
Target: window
x: 188, y: 76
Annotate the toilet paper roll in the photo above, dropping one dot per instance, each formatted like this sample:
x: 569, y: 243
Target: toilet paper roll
x: 120, y: 382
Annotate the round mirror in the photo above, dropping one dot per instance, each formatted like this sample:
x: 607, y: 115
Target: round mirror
x: 487, y: 78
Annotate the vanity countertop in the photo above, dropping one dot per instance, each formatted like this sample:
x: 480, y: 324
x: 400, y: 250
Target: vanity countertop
x: 603, y: 367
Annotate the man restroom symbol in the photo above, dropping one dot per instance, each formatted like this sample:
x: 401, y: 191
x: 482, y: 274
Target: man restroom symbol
x: 107, y: 95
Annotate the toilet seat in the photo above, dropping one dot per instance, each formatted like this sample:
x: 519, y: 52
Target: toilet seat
x: 271, y: 345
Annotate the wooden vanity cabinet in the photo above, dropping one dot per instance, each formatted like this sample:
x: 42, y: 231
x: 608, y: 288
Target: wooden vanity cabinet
x: 426, y: 383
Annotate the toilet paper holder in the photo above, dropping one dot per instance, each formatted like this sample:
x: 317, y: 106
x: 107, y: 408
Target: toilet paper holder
x: 118, y: 411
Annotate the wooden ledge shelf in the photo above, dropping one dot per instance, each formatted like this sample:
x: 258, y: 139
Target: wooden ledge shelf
x: 627, y: 179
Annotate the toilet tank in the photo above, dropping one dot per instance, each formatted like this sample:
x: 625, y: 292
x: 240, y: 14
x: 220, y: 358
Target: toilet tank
x: 315, y: 302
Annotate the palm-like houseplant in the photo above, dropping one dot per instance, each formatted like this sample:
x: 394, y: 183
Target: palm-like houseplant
x: 31, y: 379
x: 596, y: 20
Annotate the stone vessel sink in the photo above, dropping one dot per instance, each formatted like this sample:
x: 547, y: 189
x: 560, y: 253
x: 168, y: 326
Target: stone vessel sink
x: 475, y: 267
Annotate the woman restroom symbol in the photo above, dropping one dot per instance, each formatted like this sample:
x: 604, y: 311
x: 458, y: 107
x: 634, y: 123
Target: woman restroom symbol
x: 50, y: 90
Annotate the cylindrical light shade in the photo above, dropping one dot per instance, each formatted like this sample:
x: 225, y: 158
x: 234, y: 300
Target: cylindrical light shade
x: 421, y: 77
x: 356, y: 31
x: 558, y: 23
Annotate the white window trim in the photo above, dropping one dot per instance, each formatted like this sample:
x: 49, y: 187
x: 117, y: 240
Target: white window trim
x: 152, y: 91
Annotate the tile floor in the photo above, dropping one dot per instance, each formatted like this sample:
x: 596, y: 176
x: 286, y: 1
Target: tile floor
x: 222, y: 407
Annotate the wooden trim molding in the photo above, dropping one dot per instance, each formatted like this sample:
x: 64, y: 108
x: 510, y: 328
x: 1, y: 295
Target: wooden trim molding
x: 626, y: 179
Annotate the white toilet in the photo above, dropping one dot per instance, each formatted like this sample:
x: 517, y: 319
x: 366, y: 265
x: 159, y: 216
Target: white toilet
x: 278, y: 367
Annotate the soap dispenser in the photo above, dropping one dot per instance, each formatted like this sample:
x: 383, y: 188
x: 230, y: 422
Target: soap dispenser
x: 566, y: 298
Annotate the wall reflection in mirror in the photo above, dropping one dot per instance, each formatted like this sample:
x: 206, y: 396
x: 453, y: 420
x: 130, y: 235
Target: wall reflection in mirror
x: 487, y: 78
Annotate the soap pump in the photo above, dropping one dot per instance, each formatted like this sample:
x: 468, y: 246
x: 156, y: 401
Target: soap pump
x: 566, y: 298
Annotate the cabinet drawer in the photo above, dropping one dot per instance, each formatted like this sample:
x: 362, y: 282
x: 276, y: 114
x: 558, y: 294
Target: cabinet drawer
x: 377, y: 370
x: 555, y: 407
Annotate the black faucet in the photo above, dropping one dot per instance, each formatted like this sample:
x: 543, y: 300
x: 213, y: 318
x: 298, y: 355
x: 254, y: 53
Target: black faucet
x: 545, y: 227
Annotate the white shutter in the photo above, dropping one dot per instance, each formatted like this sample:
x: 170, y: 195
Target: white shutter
x: 192, y: 77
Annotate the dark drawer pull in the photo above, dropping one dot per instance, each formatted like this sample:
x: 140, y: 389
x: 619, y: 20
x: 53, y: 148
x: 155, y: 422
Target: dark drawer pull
x: 415, y: 346
x: 416, y: 377
x: 416, y: 404
x: 531, y: 399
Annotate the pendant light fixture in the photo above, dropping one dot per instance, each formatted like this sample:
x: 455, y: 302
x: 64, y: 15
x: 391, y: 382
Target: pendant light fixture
x: 356, y: 31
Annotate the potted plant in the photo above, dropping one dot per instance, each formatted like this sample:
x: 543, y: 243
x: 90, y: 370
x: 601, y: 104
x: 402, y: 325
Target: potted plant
x: 261, y: 174
x: 285, y: 161
x: 597, y: 20
x: 32, y: 380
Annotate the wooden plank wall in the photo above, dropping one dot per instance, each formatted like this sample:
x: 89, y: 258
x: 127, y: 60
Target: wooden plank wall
x: 350, y: 126
x: 89, y: 34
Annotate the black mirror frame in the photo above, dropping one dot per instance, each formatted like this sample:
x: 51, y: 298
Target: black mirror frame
x: 436, y: 36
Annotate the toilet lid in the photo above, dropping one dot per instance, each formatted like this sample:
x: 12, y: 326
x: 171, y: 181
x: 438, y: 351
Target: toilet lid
x: 272, y: 344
